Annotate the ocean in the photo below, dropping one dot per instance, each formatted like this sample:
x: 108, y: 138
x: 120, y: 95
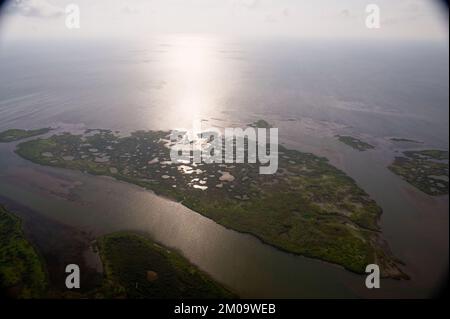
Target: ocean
x: 310, y: 89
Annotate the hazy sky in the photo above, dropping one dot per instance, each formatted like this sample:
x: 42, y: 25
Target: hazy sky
x: 417, y: 19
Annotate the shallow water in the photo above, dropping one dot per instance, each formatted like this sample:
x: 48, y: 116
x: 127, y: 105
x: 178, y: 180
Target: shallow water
x: 307, y: 94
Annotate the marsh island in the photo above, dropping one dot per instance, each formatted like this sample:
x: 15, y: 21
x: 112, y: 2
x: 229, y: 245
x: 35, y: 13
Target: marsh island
x: 404, y: 140
x: 308, y: 207
x: 136, y: 267
x: 355, y: 143
x: 427, y: 170
x: 18, y: 134
x: 22, y: 273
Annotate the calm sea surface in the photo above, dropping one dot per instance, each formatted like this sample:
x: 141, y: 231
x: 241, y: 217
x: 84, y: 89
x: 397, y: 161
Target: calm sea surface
x: 309, y: 90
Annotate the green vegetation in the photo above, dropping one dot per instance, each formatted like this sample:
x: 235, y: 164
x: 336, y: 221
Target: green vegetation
x: 355, y: 143
x: 16, y: 135
x: 406, y: 140
x: 260, y: 124
x: 427, y: 170
x: 135, y: 267
x: 308, y: 207
x: 22, y: 274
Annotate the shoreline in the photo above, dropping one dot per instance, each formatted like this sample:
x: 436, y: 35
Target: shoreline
x: 57, y: 251
x: 395, y: 269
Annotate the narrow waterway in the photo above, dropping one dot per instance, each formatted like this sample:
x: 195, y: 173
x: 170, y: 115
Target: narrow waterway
x: 99, y: 205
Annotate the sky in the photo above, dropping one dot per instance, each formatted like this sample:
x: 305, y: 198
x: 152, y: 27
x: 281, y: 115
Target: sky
x: 399, y: 19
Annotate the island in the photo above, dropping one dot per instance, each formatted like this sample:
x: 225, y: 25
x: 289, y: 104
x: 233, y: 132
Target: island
x: 427, y: 170
x: 18, y: 134
x: 355, y: 143
x: 22, y: 271
x: 260, y: 124
x: 136, y: 267
x: 404, y: 140
x: 308, y: 207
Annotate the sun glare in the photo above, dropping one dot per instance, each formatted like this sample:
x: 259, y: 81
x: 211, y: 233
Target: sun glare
x: 191, y: 60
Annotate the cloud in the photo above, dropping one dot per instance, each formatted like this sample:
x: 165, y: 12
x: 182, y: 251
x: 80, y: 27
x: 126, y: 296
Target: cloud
x: 246, y: 4
x: 250, y: 4
x: 34, y: 8
x: 346, y: 14
x: 129, y: 10
x: 270, y: 19
x: 410, y: 12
